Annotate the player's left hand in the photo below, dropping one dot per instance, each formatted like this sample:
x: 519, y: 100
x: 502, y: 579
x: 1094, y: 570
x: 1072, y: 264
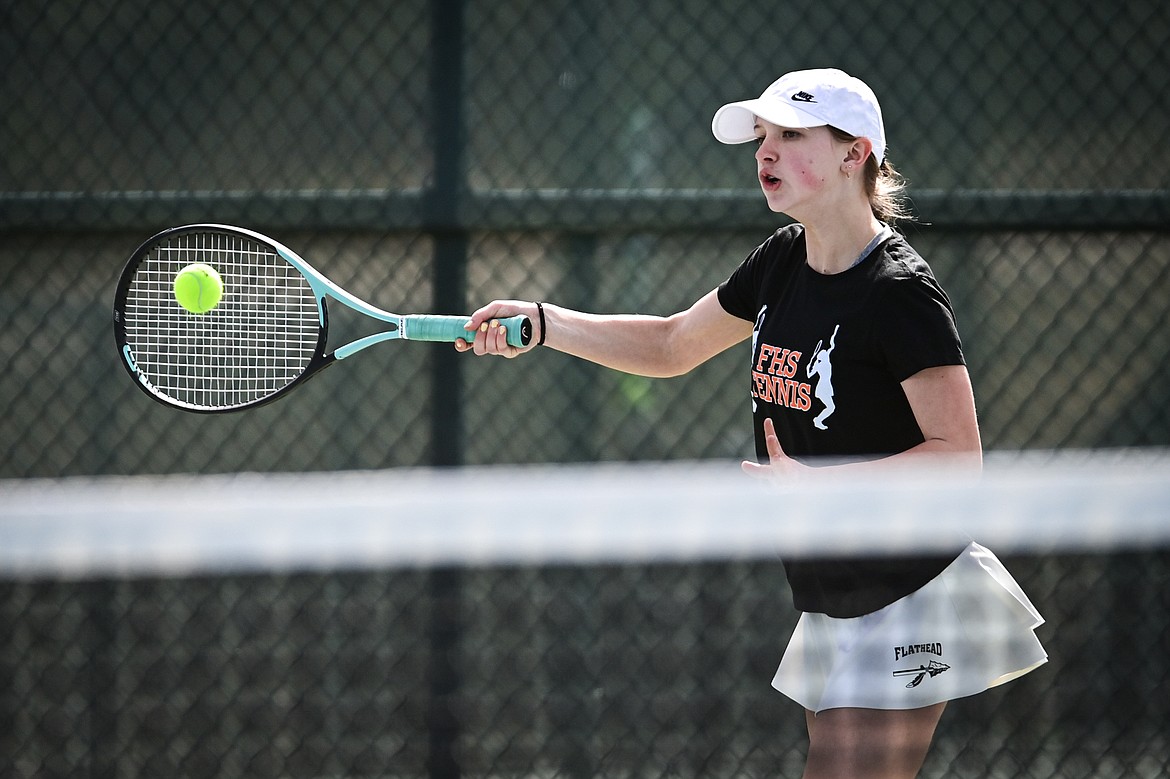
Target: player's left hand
x: 780, y: 466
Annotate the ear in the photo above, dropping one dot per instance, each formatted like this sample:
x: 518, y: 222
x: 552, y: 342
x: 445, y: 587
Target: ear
x: 856, y: 154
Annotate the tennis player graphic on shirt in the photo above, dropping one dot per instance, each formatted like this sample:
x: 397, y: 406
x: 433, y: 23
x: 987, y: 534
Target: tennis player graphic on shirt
x: 756, y: 337
x: 821, y: 367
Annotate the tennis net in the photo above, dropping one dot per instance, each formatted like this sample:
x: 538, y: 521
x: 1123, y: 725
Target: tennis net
x: 575, y: 621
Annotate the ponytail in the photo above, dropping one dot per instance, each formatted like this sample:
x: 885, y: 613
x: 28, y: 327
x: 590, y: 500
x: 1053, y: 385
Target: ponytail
x: 886, y: 190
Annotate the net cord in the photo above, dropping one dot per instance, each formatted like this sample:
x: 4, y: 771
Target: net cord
x: 587, y: 514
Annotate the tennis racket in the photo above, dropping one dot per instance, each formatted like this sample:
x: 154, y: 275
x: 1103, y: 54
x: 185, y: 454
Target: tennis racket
x: 267, y: 335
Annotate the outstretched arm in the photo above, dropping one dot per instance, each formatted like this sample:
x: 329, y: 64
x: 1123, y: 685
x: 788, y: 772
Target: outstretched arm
x: 633, y: 343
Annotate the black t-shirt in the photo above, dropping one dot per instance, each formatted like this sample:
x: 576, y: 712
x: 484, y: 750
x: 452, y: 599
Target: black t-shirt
x: 829, y: 353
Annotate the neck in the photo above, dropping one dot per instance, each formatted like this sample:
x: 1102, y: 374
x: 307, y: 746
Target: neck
x: 835, y: 248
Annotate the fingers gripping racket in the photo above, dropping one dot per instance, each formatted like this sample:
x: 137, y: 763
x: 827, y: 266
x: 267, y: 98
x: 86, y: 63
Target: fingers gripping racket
x: 267, y: 334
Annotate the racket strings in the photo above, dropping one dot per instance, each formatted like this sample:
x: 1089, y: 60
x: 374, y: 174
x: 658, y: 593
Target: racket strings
x: 260, y: 338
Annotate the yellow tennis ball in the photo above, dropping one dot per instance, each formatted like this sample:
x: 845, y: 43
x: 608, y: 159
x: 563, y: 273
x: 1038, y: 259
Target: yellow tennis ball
x: 198, y: 288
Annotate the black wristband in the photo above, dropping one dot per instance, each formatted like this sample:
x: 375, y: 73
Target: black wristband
x: 540, y: 312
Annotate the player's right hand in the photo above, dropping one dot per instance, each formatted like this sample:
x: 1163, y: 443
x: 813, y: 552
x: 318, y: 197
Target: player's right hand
x: 485, y: 335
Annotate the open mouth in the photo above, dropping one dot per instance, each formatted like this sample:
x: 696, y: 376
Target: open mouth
x: 769, y: 181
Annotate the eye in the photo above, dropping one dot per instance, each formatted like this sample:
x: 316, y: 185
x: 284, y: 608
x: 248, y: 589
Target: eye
x: 789, y: 134
x: 759, y: 140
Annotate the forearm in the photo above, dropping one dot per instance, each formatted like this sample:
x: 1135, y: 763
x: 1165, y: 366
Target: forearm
x: 933, y: 452
x: 653, y: 346
x: 631, y: 343
x: 959, y: 454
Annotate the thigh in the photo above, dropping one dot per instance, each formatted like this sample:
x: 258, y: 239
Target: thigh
x: 869, y: 743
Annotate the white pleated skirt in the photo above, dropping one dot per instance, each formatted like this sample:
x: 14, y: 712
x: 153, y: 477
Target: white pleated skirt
x: 967, y: 630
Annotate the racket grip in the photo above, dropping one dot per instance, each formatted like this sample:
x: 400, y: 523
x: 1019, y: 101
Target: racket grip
x: 448, y: 329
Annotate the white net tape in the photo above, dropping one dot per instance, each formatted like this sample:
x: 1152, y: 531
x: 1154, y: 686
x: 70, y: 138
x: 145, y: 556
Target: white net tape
x: 1042, y: 502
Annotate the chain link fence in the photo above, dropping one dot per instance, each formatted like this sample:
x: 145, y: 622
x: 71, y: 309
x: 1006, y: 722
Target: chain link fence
x: 433, y: 155
x: 430, y: 155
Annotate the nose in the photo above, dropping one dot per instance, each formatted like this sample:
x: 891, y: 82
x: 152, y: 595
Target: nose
x: 765, y: 152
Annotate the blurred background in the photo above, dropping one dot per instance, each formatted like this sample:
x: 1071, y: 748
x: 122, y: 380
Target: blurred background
x: 431, y: 155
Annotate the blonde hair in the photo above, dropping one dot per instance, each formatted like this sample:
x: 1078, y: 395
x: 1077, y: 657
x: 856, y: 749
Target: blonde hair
x: 884, y: 186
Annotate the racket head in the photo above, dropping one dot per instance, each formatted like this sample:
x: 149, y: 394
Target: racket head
x: 266, y: 335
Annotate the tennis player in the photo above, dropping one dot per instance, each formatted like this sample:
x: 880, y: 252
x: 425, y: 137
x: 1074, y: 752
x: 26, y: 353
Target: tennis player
x: 856, y: 363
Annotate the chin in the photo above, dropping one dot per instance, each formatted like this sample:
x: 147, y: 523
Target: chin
x: 775, y: 206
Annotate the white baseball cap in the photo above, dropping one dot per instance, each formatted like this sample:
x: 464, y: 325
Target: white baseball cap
x: 807, y: 98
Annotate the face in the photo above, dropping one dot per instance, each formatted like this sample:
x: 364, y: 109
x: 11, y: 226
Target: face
x: 798, y: 168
